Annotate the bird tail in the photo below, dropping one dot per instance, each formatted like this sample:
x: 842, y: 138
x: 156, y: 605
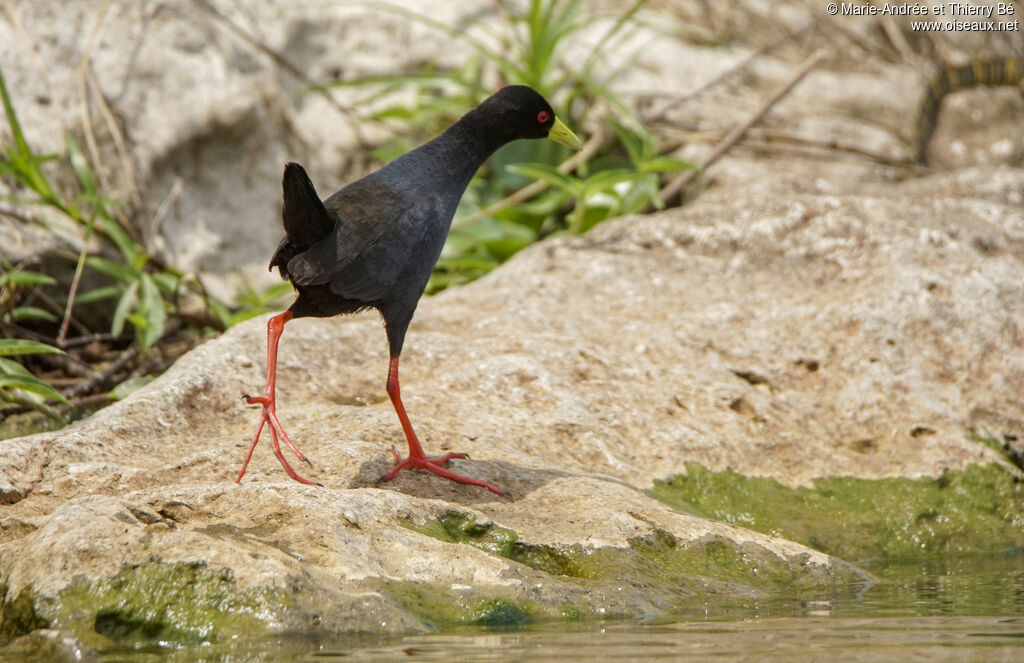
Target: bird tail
x: 305, y: 218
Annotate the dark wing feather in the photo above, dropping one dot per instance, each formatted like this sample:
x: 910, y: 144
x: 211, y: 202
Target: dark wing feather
x: 401, y: 259
x: 370, y: 219
x: 390, y: 227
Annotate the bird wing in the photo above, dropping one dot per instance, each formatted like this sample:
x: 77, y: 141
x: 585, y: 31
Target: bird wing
x: 363, y: 253
x: 402, y: 258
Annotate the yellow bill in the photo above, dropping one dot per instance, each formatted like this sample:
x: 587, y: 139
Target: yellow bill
x: 562, y: 135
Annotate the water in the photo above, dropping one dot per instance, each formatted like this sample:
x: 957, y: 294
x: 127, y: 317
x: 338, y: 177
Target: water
x: 806, y: 640
x: 953, y: 609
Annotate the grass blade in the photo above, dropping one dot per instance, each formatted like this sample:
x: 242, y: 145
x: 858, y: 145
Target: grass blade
x: 10, y: 347
x: 124, y: 306
x: 33, y: 385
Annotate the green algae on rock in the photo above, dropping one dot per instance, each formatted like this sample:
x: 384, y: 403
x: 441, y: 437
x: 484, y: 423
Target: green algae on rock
x: 681, y: 576
x: 456, y: 527
x: 978, y: 509
x: 18, y: 614
x: 500, y: 612
x: 183, y: 603
x: 437, y: 608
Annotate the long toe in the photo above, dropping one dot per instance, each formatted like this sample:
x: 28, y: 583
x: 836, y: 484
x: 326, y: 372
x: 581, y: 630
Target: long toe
x: 269, y: 417
x: 434, y: 465
x: 437, y: 469
x: 441, y: 460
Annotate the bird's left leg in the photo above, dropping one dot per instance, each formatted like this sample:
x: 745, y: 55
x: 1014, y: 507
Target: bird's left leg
x: 275, y: 327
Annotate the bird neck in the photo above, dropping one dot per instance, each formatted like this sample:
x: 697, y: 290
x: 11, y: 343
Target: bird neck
x: 478, y: 134
x: 473, y: 140
x: 447, y: 163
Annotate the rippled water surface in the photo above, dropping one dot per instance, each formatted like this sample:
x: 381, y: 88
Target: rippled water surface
x: 968, y: 609
x: 813, y: 639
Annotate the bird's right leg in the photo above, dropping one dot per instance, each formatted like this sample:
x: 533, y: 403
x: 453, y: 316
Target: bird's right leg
x: 275, y: 327
x: 417, y: 459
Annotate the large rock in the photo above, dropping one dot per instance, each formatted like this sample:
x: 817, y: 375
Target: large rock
x: 207, y: 117
x: 794, y: 336
x: 806, y: 317
x: 208, y: 113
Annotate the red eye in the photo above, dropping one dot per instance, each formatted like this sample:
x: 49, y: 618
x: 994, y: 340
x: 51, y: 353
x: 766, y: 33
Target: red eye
x: 543, y: 117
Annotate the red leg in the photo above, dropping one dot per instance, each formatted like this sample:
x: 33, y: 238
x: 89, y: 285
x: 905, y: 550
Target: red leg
x: 417, y: 459
x: 269, y: 414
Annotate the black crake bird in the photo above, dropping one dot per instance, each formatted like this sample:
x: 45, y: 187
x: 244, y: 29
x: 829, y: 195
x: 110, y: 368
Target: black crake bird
x: 374, y: 243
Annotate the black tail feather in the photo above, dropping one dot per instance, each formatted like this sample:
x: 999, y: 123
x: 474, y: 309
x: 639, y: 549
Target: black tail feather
x: 306, y: 220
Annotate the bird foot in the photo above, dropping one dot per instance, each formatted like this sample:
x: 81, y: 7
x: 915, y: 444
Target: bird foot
x: 435, y: 465
x: 268, y: 416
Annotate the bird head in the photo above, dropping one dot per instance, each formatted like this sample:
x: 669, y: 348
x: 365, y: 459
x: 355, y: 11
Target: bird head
x: 518, y: 111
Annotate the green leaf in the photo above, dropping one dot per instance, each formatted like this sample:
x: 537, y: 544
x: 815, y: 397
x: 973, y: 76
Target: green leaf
x: 11, y: 367
x: 10, y: 347
x: 607, y: 179
x: 32, y: 313
x: 81, y: 168
x: 151, y: 305
x: 132, y: 252
x: 243, y: 315
x: 635, y: 146
x: 98, y: 294
x: 124, y: 307
x: 249, y: 297
x: 33, y: 385
x: 546, y: 173
x: 167, y: 282
x: 24, y: 277
x: 24, y: 165
x: 138, y: 321
x: 123, y: 390
x: 221, y: 311
x: 392, y: 150
x: 468, y: 264
x: 111, y: 268
x: 665, y: 165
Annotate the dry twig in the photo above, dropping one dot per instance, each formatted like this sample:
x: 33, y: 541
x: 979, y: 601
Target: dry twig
x: 102, y: 379
x: 671, y: 189
x: 659, y: 113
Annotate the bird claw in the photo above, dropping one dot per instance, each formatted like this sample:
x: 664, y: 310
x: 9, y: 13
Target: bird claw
x: 435, y: 465
x: 254, y: 400
x: 269, y: 416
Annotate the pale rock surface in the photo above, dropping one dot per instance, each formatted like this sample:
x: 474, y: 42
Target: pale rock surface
x: 793, y: 336
x: 208, y: 116
x: 806, y: 316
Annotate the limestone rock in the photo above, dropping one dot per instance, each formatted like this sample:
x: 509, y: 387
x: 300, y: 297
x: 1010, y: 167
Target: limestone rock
x: 804, y: 317
x: 794, y: 337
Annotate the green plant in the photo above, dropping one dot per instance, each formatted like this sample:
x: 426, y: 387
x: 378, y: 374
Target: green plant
x: 144, y: 291
x: 140, y: 301
x: 250, y: 303
x: 11, y: 279
x: 18, y: 385
x: 531, y: 49
x: 615, y: 186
